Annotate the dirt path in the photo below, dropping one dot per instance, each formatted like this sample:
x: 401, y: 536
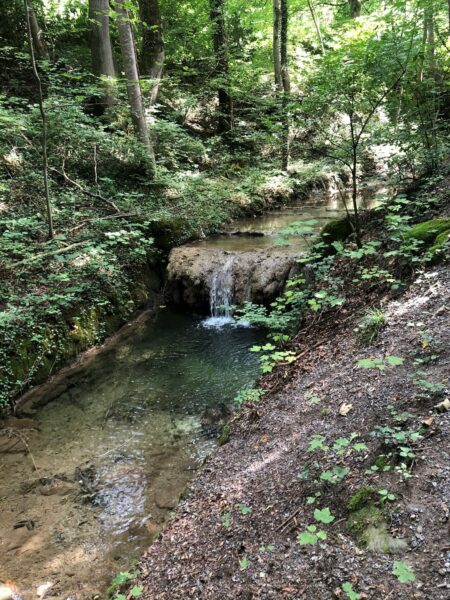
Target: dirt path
x: 236, y: 534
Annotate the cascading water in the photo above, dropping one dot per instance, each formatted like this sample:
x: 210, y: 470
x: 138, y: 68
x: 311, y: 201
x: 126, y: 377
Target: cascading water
x: 221, y: 295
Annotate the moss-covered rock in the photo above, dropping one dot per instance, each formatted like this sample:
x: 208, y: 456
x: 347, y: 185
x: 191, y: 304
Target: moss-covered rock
x: 225, y: 435
x: 337, y: 230
x: 437, y: 249
x: 367, y: 523
x: 361, y: 498
x: 427, y: 231
x: 169, y: 232
x: 360, y: 520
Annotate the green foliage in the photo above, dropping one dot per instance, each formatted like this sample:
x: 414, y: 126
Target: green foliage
x: 244, y: 509
x: 380, y: 363
x: 311, y: 536
x: 227, y: 520
x: 347, y: 588
x: 324, y: 515
x: 386, y: 496
x: 249, y: 395
x: 403, y: 572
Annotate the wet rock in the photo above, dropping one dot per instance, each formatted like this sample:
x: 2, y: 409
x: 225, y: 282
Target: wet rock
x: 214, y: 418
x: 257, y: 275
x: 55, y: 487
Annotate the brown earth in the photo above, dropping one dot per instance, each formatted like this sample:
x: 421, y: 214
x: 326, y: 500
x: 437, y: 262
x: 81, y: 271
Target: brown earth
x: 235, y: 536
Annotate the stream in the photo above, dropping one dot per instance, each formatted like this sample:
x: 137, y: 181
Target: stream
x: 89, y: 478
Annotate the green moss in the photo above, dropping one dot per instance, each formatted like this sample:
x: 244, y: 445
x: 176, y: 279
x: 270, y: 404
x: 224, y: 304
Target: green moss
x: 361, y: 498
x: 428, y: 230
x: 168, y: 232
x: 85, y: 327
x: 336, y: 231
x: 367, y: 524
x: 437, y: 248
x: 364, y: 518
x: 225, y: 435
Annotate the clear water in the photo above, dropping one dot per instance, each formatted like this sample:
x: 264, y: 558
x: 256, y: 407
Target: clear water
x: 130, y: 427
x: 135, y: 423
x: 321, y: 208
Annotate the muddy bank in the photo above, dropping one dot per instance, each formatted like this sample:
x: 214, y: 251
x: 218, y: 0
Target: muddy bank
x: 236, y: 536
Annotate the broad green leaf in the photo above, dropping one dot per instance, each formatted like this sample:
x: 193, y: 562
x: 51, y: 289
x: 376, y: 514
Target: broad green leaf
x: 324, y: 515
x: 395, y: 360
x: 403, y: 572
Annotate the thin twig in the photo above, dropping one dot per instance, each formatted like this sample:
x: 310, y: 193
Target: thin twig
x: 66, y: 178
x: 17, y: 434
x: 95, y: 219
x: 287, y: 521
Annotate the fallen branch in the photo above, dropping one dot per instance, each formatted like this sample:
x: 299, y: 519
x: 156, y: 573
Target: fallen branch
x: 75, y: 184
x: 26, y: 261
x: 87, y: 221
x: 289, y: 519
x: 15, y: 433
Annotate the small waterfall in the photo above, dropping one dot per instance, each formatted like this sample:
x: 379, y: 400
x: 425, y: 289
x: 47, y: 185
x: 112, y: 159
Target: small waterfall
x: 221, y: 294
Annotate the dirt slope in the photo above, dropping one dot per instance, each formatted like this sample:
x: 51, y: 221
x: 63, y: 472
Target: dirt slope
x: 236, y: 534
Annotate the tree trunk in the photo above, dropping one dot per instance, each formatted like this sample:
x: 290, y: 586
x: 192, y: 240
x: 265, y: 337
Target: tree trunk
x: 40, y: 48
x: 355, y: 8
x: 286, y: 84
x: 277, y: 44
x: 152, y: 50
x: 217, y: 16
x: 28, y: 16
x: 317, y: 25
x: 101, y: 48
x: 132, y: 77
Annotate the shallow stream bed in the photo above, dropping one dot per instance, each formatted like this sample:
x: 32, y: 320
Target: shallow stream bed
x: 115, y: 451
x: 89, y: 478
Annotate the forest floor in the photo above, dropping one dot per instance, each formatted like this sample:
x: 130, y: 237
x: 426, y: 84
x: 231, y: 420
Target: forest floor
x: 236, y: 536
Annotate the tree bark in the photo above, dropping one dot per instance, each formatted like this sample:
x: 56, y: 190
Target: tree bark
x: 355, y: 8
x: 317, y: 25
x: 132, y: 76
x: 217, y: 16
x: 40, y: 47
x: 286, y: 84
x: 152, y: 50
x: 51, y: 233
x: 101, y: 47
x: 277, y: 43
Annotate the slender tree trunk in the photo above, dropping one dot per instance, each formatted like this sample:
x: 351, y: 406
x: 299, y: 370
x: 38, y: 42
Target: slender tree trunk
x: 132, y: 77
x: 40, y: 47
x: 217, y: 10
x: 152, y: 50
x: 286, y: 84
x: 277, y: 44
x: 101, y: 47
x: 51, y: 233
x: 354, y: 172
x: 355, y: 8
x: 317, y: 25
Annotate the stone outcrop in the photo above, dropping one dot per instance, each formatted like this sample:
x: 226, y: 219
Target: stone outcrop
x: 257, y: 275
